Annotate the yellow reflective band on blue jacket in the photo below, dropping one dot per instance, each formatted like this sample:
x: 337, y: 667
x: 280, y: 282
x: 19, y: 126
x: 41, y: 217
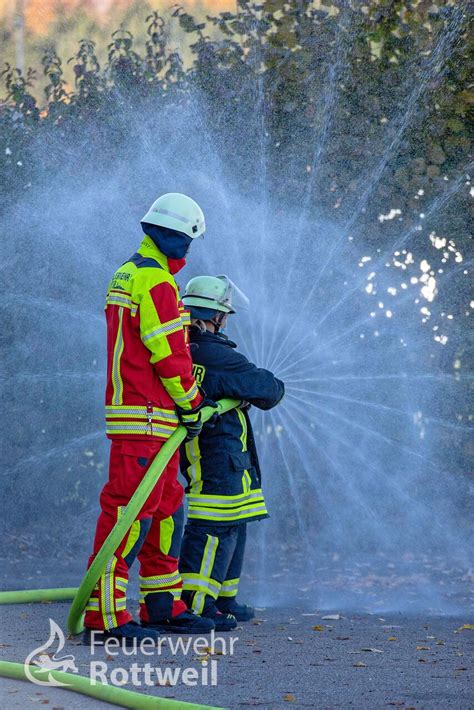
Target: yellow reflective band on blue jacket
x: 227, y: 508
x: 213, y: 515
x: 216, y: 501
x: 243, y: 423
x: 193, y: 454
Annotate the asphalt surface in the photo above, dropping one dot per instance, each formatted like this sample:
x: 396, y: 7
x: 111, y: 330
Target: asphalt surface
x: 281, y: 659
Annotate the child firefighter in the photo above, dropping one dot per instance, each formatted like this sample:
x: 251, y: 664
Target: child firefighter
x: 221, y: 465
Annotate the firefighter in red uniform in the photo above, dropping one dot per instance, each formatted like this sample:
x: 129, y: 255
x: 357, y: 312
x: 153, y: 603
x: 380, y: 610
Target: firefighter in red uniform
x: 150, y: 391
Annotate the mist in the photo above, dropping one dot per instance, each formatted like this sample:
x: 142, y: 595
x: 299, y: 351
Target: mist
x: 362, y: 461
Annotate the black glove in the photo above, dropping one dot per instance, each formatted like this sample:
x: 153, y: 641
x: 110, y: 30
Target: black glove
x: 191, y: 418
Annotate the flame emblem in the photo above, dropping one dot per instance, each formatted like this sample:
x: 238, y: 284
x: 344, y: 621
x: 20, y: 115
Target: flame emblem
x: 49, y: 662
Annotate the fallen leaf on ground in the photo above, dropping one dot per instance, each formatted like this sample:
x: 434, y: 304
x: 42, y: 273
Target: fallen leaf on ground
x: 289, y: 698
x: 318, y: 627
x: 464, y: 627
x: 392, y: 638
x: 212, y: 651
x: 422, y: 648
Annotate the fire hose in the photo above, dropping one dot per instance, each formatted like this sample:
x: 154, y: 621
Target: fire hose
x: 81, y: 594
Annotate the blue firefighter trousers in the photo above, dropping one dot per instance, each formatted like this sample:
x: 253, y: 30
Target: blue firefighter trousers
x: 210, y: 564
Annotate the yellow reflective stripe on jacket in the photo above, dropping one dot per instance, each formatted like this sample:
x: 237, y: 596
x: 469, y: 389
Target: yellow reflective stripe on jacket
x: 130, y: 419
x: 132, y: 428
x: 171, y: 326
x: 117, y: 382
x: 177, y: 392
x: 113, y: 298
x: 243, y: 422
x: 135, y: 412
x: 216, y: 514
x: 226, y: 501
x: 193, y: 454
x: 185, y: 317
x: 246, y: 481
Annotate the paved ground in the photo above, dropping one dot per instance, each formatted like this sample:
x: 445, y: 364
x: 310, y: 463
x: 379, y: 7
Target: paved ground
x: 283, y: 659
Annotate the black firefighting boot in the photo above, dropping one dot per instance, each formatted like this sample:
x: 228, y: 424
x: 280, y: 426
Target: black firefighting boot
x: 242, y: 612
x: 222, y: 622
x: 129, y: 634
x: 185, y: 623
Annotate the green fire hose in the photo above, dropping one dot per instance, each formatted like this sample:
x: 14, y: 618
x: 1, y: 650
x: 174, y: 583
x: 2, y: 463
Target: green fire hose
x: 107, y: 693
x: 81, y: 595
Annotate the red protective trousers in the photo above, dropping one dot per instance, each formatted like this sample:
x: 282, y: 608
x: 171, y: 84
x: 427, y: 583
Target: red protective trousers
x: 150, y: 538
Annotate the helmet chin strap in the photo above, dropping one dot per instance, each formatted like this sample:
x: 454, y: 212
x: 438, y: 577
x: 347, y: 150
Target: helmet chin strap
x: 217, y: 321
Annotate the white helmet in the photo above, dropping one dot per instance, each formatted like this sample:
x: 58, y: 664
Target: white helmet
x: 178, y: 212
x: 214, y: 293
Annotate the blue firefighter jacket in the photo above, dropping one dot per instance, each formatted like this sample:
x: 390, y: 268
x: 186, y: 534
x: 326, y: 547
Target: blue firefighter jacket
x: 221, y: 465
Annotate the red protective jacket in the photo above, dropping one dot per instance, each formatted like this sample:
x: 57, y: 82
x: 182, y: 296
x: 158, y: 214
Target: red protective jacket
x: 149, y: 367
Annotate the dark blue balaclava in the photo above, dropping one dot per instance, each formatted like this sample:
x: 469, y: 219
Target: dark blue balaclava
x: 173, y: 244
x: 210, y: 314
x: 200, y: 313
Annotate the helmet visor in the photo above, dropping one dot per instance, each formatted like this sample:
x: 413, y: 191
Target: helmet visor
x: 233, y: 298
